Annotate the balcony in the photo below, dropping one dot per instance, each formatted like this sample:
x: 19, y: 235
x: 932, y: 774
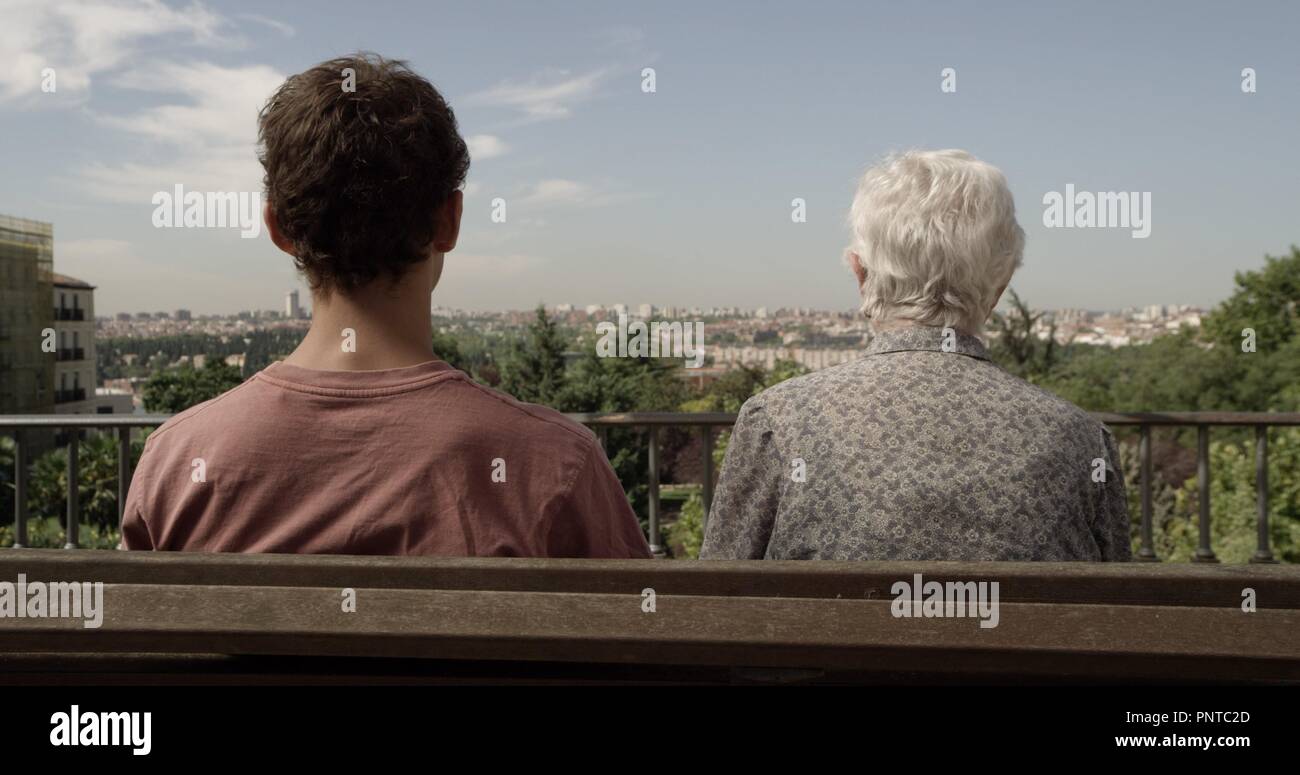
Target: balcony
x: 69, y: 313
x: 71, y: 354
x: 559, y: 620
x: 69, y: 396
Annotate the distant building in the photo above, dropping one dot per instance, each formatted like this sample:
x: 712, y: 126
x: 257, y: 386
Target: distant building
x: 114, y: 401
x: 74, y: 325
x: 291, y: 309
x: 182, y: 314
x: 26, y: 282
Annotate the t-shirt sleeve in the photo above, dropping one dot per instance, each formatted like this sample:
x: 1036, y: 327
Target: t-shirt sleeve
x: 595, y: 518
x: 135, y: 532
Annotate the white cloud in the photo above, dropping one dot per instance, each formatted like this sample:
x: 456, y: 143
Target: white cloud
x: 559, y: 192
x: 485, y: 146
x: 135, y: 184
x: 84, y: 38
x: 284, y: 29
x: 221, y: 103
x: 206, y: 143
x: 202, y: 131
x: 555, y: 191
x: 548, y: 95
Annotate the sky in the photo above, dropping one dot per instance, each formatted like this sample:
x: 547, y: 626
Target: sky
x: 680, y: 196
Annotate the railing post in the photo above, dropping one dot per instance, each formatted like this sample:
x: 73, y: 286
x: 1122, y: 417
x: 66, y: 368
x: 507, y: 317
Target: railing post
x: 1204, y: 553
x: 1262, y: 552
x: 655, y: 548
x: 20, y: 488
x: 1146, y: 552
x: 706, y: 439
x: 123, y: 470
x: 74, y: 500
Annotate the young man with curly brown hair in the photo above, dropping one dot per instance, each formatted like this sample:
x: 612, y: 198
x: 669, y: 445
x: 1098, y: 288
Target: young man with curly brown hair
x: 362, y: 441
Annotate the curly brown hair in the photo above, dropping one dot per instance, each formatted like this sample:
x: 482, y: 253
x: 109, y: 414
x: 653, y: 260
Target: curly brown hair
x: 355, y: 178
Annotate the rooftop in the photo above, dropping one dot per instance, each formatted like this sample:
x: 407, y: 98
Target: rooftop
x: 64, y: 281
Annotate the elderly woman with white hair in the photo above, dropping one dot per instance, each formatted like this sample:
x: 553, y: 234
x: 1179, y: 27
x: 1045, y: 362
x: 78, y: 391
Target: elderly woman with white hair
x: 923, y: 449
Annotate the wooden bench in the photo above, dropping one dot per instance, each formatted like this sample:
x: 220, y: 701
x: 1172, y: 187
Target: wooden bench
x: 277, y: 618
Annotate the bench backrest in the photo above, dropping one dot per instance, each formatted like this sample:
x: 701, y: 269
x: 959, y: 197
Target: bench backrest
x: 527, y: 619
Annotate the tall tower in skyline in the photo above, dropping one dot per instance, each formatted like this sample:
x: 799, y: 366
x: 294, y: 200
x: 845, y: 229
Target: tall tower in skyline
x: 291, y: 309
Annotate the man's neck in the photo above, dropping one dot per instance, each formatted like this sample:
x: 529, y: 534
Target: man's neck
x: 382, y: 326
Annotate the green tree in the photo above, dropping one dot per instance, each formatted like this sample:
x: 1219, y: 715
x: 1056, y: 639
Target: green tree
x: 534, y: 371
x: 96, y: 481
x: 176, y: 390
x: 688, y: 531
x: 595, y: 384
x: 447, y: 349
x: 1015, y: 345
x: 1175, y: 372
x: 1233, y: 508
x: 1265, y: 301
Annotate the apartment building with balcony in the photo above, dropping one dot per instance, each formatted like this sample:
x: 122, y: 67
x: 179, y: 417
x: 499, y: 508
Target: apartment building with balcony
x: 74, y: 327
x: 27, y: 372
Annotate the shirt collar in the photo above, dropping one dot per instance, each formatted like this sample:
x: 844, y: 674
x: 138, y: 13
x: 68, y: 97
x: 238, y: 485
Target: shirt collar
x: 932, y: 338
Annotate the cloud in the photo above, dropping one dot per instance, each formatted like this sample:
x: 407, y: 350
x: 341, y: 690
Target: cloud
x: 221, y: 103
x: 547, y: 95
x: 279, y: 26
x: 206, y: 142
x: 485, y: 146
x: 555, y: 191
x: 135, y: 184
x: 83, y: 38
x: 200, y: 132
x: 561, y: 192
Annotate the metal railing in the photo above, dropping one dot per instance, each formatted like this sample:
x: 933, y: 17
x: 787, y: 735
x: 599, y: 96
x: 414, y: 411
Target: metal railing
x: 705, y: 424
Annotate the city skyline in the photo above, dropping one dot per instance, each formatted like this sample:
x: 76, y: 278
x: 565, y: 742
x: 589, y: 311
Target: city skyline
x: 683, y: 193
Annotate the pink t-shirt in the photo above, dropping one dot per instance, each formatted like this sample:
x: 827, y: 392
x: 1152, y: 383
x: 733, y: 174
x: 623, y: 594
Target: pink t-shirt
x: 416, y: 460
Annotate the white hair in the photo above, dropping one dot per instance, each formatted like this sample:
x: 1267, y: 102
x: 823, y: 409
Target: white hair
x: 936, y: 233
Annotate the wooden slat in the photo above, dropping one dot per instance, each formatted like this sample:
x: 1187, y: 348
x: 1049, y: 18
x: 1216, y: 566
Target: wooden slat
x: 689, y: 630
x: 528, y: 620
x: 1276, y: 586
